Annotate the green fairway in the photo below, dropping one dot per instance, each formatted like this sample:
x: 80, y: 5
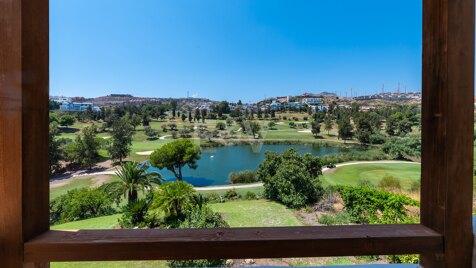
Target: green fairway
x: 256, y: 213
x: 106, y: 222
x: 353, y: 174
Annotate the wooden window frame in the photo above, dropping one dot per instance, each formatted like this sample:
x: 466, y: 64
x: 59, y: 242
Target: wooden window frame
x: 444, y: 237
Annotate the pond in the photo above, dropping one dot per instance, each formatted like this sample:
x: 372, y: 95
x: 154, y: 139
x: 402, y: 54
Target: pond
x: 216, y: 163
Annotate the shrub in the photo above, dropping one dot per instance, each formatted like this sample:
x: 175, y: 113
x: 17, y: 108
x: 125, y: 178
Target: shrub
x: 389, y: 183
x: 369, y: 205
x: 403, y: 148
x: 215, y: 198
x: 246, y: 176
x: 291, y: 179
x: 80, y: 204
x: 272, y: 126
x: 415, y: 186
x: 414, y: 259
x: 201, y: 218
x: 135, y: 214
x: 231, y: 195
x: 250, y: 196
x: 365, y: 183
x: 170, y: 204
x: 151, y: 133
x: 339, y: 218
x: 377, y: 139
x: 220, y: 126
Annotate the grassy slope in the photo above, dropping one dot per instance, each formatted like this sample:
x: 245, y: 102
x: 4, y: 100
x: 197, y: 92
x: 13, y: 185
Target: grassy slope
x: 78, y: 183
x: 351, y: 175
x: 238, y: 214
x: 106, y: 222
x: 256, y: 213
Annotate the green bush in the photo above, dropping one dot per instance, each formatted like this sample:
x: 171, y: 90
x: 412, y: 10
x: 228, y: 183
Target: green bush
x: 403, y: 148
x: 171, y: 203
x: 247, y: 176
x: 250, y: 196
x: 231, y: 195
x: 80, y: 204
x: 377, y: 139
x: 291, y: 179
x: 365, y: 183
x: 415, y: 186
x: 414, y: 259
x: 215, y: 198
x: 369, y: 205
x: 339, y: 218
x: 201, y: 218
x: 389, y: 183
x: 135, y: 214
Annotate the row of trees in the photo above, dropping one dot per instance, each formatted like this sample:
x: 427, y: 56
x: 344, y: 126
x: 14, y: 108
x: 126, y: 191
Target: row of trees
x: 84, y: 149
x: 367, y: 126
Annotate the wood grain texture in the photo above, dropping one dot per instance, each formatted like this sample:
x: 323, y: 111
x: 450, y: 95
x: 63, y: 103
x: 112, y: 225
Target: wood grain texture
x: 10, y: 135
x: 152, y: 244
x: 447, y: 136
x: 35, y: 122
x: 23, y: 127
x: 448, y: 77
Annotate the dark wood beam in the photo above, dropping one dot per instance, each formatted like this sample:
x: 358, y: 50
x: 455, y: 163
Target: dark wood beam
x: 156, y: 244
x: 448, y: 120
x: 24, y: 82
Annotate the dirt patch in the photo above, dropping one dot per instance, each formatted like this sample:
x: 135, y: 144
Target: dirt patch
x: 105, y: 164
x: 100, y: 180
x: 63, y: 182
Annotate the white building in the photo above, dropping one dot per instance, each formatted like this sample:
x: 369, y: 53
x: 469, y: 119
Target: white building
x: 61, y: 100
x: 312, y: 101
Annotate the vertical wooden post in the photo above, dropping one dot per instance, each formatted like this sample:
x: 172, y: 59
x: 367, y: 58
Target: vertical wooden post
x: 447, y: 149
x: 24, y: 81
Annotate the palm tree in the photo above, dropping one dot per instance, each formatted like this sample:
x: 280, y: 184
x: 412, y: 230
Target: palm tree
x: 174, y: 199
x: 134, y: 178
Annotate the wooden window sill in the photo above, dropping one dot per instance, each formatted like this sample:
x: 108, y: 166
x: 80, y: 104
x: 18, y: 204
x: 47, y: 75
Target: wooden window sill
x: 159, y: 244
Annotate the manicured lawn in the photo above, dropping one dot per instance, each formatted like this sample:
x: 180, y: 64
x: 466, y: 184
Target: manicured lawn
x: 257, y: 190
x: 80, y: 183
x: 106, y: 222
x: 353, y: 174
x: 256, y: 213
x: 110, y: 264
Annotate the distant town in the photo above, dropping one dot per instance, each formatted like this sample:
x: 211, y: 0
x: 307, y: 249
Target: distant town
x: 304, y: 101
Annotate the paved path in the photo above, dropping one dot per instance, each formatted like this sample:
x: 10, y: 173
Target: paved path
x: 254, y: 185
x: 228, y: 187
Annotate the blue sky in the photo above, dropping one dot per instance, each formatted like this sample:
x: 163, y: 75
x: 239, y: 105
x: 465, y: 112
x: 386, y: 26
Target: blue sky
x: 233, y: 49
